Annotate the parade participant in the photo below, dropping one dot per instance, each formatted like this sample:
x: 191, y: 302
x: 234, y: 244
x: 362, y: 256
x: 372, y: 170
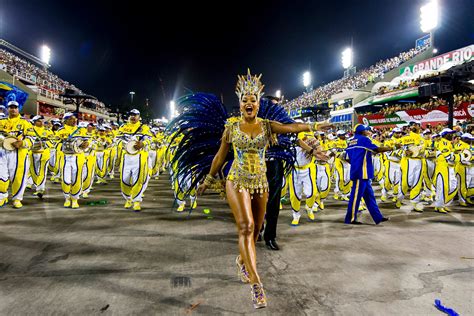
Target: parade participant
x: 445, y: 180
x: 134, y: 160
x: 113, y: 150
x: 102, y: 154
x: 323, y: 175
x: 465, y: 170
x: 72, y: 160
x: 412, y: 167
x: 430, y: 157
x: 55, y: 156
x: 392, y: 164
x: 246, y: 185
x: 88, y: 170
x: 378, y: 163
x: 40, y: 155
x: 14, y: 162
x: 342, y: 167
x: 360, y: 150
x: 302, y: 179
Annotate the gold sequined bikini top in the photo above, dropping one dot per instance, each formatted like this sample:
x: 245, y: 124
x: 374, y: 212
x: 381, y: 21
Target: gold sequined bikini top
x: 248, y: 170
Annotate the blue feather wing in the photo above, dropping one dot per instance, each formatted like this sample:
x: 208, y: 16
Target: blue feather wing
x: 201, y: 125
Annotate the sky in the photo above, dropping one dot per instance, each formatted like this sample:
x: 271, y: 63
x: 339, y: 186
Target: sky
x: 108, y: 50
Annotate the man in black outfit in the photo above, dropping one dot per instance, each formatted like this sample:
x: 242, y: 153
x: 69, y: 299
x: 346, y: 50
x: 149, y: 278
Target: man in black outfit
x: 275, y: 173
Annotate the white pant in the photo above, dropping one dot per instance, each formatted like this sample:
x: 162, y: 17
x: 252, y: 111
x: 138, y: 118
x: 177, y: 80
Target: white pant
x: 302, y: 183
x: 394, y: 172
x: 322, y: 180
x: 131, y: 174
x: 37, y: 165
x: 440, y: 194
x: 71, y: 175
x: 346, y: 170
x: 8, y: 166
x: 152, y: 159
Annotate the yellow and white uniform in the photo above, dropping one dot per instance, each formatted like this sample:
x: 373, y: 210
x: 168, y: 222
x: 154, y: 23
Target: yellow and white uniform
x: 102, y: 154
x: 322, y: 178
x: 39, y: 157
x: 445, y: 179
x: 342, y: 170
x: 465, y: 174
x: 88, y: 170
x: 412, y: 168
x: 14, y: 164
x: 302, y: 181
x: 379, y: 168
x: 430, y: 162
x: 55, y: 156
x: 71, y: 164
x: 114, y: 153
x: 134, y: 167
x: 392, y: 167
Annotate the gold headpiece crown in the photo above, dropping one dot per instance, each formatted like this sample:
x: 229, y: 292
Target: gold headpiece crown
x: 249, y: 85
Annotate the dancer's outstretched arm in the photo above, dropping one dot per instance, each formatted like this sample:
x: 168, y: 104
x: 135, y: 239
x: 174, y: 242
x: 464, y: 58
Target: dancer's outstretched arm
x: 279, y: 128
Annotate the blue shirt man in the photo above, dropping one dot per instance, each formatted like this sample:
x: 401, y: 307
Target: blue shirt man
x: 359, y: 150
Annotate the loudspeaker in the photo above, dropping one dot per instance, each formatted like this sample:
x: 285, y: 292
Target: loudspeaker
x: 435, y: 89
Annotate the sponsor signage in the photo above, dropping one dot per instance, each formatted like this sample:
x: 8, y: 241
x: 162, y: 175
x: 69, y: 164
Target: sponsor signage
x: 465, y: 111
x: 454, y: 57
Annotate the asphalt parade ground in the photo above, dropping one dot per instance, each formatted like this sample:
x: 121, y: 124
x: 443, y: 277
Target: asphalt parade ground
x: 104, y: 260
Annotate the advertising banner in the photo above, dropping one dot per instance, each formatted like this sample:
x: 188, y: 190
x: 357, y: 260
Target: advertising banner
x: 464, y: 111
x: 454, y: 57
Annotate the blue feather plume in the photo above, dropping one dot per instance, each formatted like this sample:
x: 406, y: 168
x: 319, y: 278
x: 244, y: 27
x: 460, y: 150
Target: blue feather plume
x: 445, y: 309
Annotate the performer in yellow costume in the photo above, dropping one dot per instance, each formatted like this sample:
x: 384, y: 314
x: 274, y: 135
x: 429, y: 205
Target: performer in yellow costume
x: 114, y: 153
x: 72, y: 145
x: 342, y: 168
x: 40, y: 155
x: 88, y: 170
x: 392, y: 164
x: 430, y: 163
x: 445, y: 176
x: 323, y: 175
x: 378, y: 163
x: 14, y: 162
x: 102, y: 154
x: 412, y: 167
x: 55, y: 156
x: 465, y: 169
x: 134, y: 163
x: 302, y: 179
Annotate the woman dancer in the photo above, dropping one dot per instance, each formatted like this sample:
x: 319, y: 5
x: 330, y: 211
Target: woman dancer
x: 246, y: 185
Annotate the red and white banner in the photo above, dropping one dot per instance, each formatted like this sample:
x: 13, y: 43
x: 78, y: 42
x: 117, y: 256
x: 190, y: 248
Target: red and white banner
x: 463, y: 112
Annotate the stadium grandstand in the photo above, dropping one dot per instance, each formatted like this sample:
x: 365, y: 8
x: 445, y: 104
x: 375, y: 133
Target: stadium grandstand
x: 376, y: 94
x: 44, y: 88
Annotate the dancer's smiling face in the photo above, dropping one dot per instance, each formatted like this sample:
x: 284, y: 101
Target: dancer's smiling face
x: 249, y: 106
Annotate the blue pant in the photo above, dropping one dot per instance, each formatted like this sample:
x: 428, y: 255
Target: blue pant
x: 362, y: 189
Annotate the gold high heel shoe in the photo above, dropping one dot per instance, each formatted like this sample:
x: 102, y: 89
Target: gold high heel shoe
x: 241, y: 271
x: 258, y: 295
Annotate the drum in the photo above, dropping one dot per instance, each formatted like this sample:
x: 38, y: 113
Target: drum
x: 415, y: 151
x: 38, y: 146
x: 466, y: 155
x: 71, y: 146
x: 102, y: 145
x: 8, y: 143
x: 130, y: 147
